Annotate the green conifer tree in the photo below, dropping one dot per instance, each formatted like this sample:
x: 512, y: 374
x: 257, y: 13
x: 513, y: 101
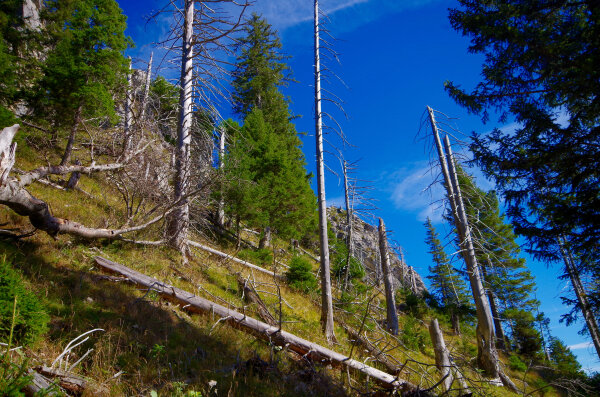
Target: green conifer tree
x: 84, y: 65
x: 446, y: 282
x: 509, y: 283
x: 265, y: 156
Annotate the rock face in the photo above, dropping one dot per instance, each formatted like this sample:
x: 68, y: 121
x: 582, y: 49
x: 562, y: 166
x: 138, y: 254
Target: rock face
x: 366, y: 249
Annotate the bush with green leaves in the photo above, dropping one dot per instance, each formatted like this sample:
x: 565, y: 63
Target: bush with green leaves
x: 259, y: 257
x: 300, y: 275
x: 515, y: 363
x: 31, y: 318
x: 412, y: 336
x: 339, y: 258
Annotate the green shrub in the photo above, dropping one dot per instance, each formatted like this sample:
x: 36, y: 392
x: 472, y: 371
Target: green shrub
x: 299, y: 274
x: 31, y: 319
x: 259, y: 257
x: 515, y: 363
x: 413, y: 337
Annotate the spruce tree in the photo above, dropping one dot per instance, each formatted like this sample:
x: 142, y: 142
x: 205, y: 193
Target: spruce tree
x: 509, y: 283
x: 265, y: 156
x: 540, y: 69
x: 446, y: 282
x: 85, y: 64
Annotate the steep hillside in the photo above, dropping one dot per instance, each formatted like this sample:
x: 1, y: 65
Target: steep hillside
x: 145, y: 344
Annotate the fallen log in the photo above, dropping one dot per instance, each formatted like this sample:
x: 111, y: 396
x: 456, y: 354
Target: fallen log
x: 234, y: 259
x: 39, y: 385
x: 250, y: 295
x: 66, y: 380
x: 272, y: 334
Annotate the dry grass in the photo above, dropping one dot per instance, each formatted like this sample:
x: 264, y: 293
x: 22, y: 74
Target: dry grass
x: 152, y: 345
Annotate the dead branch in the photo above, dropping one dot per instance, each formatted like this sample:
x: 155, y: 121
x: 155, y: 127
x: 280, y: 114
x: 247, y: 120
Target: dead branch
x: 271, y: 334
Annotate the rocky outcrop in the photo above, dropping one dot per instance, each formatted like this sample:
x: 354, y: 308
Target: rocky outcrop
x: 366, y: 243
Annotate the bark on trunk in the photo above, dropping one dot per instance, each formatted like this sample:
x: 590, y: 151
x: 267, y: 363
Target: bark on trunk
x: 221, y: 205
x: 271, y: 334
x: 265, y: 239
x: 455, y: 320
x: 487, y: 355
x: 74, y: 178
x: 179, y: 219
x: 127, y: 142
x: 146, y: 88
x: 500, y: 337
x: 442, y: 356
x: 448, y: 370
x: 349, y: 217
x: 588, y: 315
x: 71, y: 141
x: 392, y: 315
x: 326, y: 298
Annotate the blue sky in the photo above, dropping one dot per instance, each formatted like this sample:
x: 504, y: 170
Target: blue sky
x: 395, y: 56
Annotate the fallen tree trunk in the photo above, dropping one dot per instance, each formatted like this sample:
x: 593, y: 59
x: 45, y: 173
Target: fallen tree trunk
x: 272, y: 334
x: 66, y: 380
x: 234, y: 259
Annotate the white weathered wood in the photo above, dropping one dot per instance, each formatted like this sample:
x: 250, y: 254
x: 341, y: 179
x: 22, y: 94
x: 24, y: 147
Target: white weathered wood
x: 442, y: 356
x: 128, y: 111
x: 180, y: 218
x: 221, y: 204
x: 349, y: 218
x: 326, y: 298
x: 487, y: 355
x: 390, y: 300
x: 7, y: 151
x: 146, y: 87
x: 272, y: 334
x: 234, y: 259
x: 580, y: 293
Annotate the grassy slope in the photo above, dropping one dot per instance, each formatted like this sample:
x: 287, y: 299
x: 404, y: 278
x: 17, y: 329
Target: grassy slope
x: 155, y: 345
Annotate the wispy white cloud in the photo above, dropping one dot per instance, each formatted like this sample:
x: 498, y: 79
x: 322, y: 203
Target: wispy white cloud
x: 414, y: 190
x: 580, y: 346
x: 283, y: 14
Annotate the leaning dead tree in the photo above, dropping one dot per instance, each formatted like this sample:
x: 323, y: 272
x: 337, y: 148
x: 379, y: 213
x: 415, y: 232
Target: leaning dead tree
x: 392, y: 315
x: 487, y: 355
x: 14, y: 194
x: 326, y: 297
x: 580, y: 292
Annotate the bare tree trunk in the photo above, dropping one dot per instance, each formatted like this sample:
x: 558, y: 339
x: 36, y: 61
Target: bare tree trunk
x: 326, y: 298
x: 128, y: 112
x: 392, y: 316
x: 272, y: 334
x: 146, y: 88
x: 221, y: 204
x: 349, y: 218
x: 74, y: 178
x: 588, y: 315
x: 71, y: 141
x: 500, y: 337
x: 455, y: 320
x: 442, y: 356
x: 179, y: 219
x: 265, y: 239
x: 487, y: 355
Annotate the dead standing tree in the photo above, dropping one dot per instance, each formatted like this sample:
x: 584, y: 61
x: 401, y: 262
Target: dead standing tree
x: 392, y: 315
x: 326, y: 297
x: 487, y: 355
x: 203, y: 34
